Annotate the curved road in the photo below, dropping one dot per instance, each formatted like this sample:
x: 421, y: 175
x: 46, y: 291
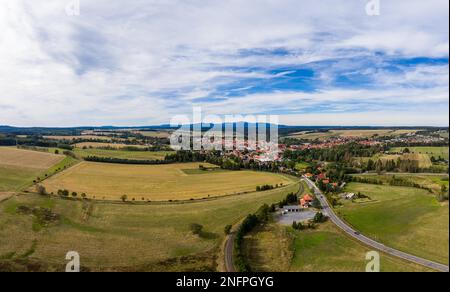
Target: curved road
x: 367, y: 241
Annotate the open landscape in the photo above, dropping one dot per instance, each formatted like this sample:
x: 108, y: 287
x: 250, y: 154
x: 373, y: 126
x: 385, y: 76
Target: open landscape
x: 253, y: 136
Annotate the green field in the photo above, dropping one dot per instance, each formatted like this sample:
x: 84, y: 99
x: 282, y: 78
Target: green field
x: 408, y: 219
x: 434, y: 182
x: 157, y: 182
x: 429, y: 151
x: 326, y: 249
x: 123, y: 154
x: 18, y: 168
x: 122, y: 237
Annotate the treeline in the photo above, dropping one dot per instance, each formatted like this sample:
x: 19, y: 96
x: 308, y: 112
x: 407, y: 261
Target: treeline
x: 229, y: 162
x: 125, y: 161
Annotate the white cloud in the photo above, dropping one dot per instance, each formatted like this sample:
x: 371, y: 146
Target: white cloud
x: 140, y: 62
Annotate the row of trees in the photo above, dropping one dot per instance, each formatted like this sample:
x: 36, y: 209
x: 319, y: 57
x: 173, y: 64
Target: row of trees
x: 125, y: 161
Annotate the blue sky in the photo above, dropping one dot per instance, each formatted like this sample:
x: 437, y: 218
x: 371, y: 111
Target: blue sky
x: 142, y: 62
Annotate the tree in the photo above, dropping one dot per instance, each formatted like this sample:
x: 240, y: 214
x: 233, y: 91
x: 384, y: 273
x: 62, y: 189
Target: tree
x: 228, y: 229
x: 316, y: 203
x: 74, y: 194
x: 124, y: 198
x: 83, y: 195
x: 319, y: 218
x: 41, y: 190
x: 195, y: 228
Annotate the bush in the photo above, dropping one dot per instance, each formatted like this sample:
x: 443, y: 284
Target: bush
x: 195, y: 228
x: 41, y: 190
x: 227, y: 229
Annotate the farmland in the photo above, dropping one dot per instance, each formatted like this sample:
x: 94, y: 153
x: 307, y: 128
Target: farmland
x: 122, y: 154
x: 408, y: 219
x: 122, y: 237
x: 350, y: 134
x: 157, y: 182
x: 18, y: 168
x: 86, y: 137
x: 104, y: 145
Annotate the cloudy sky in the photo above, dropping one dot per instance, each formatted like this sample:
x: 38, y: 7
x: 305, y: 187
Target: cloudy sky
x: 141, y: 62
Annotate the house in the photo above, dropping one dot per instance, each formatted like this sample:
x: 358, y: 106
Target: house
x: 306, y: 201
x: 322, y: 176
x: 309, y: 175
x: 326, y: 181
x: 350, y: 196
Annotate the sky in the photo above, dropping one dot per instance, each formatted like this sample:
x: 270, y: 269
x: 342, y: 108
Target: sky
x: 142, y: 62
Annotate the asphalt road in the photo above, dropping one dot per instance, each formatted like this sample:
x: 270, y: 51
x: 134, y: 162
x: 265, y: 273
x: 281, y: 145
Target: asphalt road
x: 327, y: 210
x: 229, y: 248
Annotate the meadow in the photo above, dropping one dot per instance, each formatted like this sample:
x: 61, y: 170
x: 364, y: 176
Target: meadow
x: 434, y: 182
x: 429, y: 151
x: 122, y: 237
x: 408, y: 219
x: 282, y: 249
x: 123, y: 154
x: 157, y: 182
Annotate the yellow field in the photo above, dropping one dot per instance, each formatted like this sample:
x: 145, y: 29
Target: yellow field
x: 155, y: 134
x: 103, y: 145
x: 29, y: 159
x: 18, y: 168
x: 89, y: 137
x: 157, y: 182
x: 350, y: 134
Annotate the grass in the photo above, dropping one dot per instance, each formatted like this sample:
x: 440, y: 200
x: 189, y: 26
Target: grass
x: 103, y: 145
x: 157, y: 182
x: 300, y: 166
x: 429, y: 151
x: 123, y: 154
x: 328, y: 250
x: 128, y: 237
x: 423, y: 159
x: 434, y: 182
x: 350, y: 134
x: 407, y: 219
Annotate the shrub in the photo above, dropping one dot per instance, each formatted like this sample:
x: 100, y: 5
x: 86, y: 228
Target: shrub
x: 227, y: 229
x: 41, y: 190
x: 195, y: 228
